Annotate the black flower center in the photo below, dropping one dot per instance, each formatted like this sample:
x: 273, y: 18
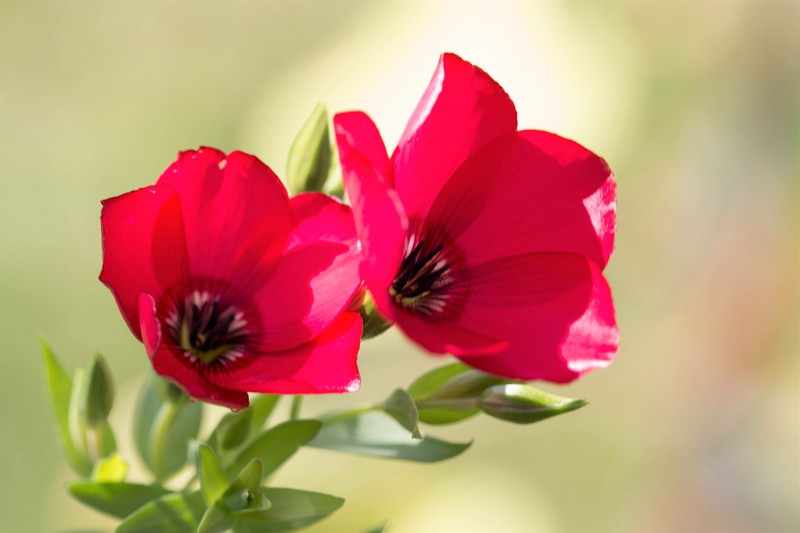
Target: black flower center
x: 423, y: 277
x: 207, y: 331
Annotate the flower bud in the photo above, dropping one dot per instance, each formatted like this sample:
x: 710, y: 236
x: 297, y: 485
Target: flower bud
x: 522, y: 404
x: 98, y: 394
x: 310, y: 155
x: 467, y: 384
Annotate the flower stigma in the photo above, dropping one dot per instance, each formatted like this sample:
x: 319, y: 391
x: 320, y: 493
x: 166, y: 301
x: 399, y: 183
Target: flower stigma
x: 206, y: 331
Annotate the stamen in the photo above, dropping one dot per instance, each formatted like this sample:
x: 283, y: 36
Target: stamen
x: 423, y: 277
x: 206, y: 331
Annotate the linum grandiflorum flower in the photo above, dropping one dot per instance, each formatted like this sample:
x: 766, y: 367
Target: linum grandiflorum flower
x: 483, y: 241
x: 231, y: 285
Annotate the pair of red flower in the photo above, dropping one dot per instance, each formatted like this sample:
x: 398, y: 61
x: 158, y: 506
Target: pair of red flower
x: 474, y: 238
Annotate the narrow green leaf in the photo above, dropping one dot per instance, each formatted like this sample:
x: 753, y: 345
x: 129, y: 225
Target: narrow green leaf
x: 452, y: 413
x: 110, y: 469
x: 427, y: 384
x: 402, y: 408
x: 116, y: 499
x: 376, y: 435
x: 173, y: 513
x: 78, y: 428
x: 98, y: 399
x: 523, y: 404
x: 261, y: 408
x: 310, y: 154
x: 59, y: 386
x: 213, y: 480
x: 291, y: 509
x: 276, y: 445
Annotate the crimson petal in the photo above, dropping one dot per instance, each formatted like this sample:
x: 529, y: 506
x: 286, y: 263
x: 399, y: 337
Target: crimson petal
x: 317, y: 277
x: 144, y: 246
x: 555, y: 310
x: 379, y: 217
x: 462, y: 109
x: 326, y: 364
x: 224, y: 200
x: 529, y: 192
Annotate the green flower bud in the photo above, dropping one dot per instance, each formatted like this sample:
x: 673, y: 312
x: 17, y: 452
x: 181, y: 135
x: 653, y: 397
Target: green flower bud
x: 310, y: 156
x: 523, y: 404
x: 98, y: 394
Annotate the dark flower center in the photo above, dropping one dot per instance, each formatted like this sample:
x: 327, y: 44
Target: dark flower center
x: 423, y: 276
x: 207, y: 331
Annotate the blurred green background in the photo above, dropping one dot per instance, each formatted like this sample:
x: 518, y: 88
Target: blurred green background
x: 695, y: 106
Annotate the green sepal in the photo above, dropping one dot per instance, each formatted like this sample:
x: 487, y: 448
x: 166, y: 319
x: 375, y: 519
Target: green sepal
x: 276, y: 445
x: 98, y: 398
x: 173, y: 513
x: 373, y: 322
x: 310, y: 154
x: 374, y: 434
x: 402, y: 408
x: 427, y: 384
x: 59, y: 386
x: 110, y: 469
x: 523, y: 404
x: 115, y: 498
x: 291, y: 509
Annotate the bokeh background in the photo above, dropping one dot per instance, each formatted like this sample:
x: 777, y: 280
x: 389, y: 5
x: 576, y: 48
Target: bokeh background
x: 695, y: 106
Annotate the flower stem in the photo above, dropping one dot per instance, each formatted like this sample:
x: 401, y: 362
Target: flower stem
x: 158, y: 441
x: 297, y: 403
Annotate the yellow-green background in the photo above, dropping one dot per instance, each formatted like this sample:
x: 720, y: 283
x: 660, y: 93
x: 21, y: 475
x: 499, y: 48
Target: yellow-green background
x: 694, y: 105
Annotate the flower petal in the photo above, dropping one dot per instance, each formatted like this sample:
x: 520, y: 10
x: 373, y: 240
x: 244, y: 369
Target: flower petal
x: 317, y: 277
x: 178, y: 368
x: 443, y: 336
x: 529, y: 192
x: 555, y: 310
x: 379, y: 218
x: 326, y: 364
x: 144, y: 246
x: 236, y: 213
x: 462, y: 110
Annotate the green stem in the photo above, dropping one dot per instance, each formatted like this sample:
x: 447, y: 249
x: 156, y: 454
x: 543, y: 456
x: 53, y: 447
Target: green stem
x: 297, y: 403
x: 158, y: 441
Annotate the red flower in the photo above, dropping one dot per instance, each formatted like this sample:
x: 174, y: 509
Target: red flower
x: 231, y: 285
x: 483, y: 241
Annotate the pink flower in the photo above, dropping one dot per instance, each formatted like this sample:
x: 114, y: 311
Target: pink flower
x: 483, y: 241
x: 231, y: 285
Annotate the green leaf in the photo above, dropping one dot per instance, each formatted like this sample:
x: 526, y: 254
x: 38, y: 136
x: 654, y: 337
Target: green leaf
x: 523, y: 404
x: 96, y: 403
x: 376, y: 435
x: 402, y: 408
x: 110, y: 469
x: 448, y: 412
x: 232, y: 430
x: 261, y: 408
x: 115, y: 498
x: 59, y: 386
x: 427, y: 384
x: 276, y: 445
x: 291, y: 509
x: 213, y: 480
x: 173, y: 513
x: 310, y: 154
